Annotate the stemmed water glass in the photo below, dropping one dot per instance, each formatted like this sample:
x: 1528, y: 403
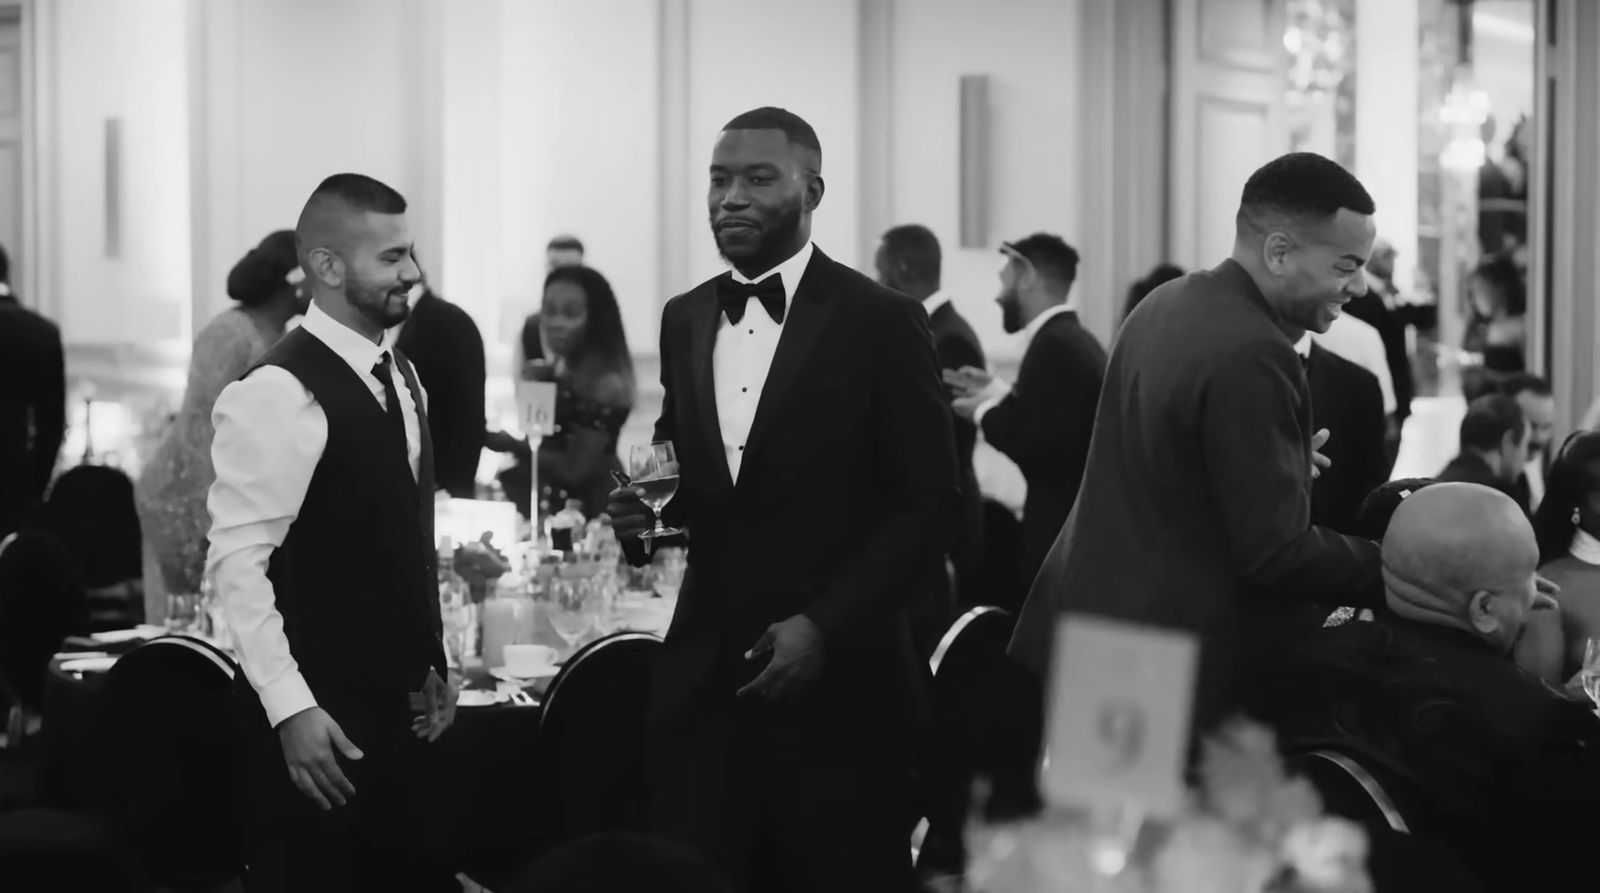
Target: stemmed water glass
x: 654, y: 467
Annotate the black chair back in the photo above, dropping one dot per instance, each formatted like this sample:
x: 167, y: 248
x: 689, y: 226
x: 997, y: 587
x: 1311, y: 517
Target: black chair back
x: 41, y: 603
x: 988, y: 719
x: 592, y: 738
x: 91, y: 510
x: 167, y: 761
x: 1349, y: 789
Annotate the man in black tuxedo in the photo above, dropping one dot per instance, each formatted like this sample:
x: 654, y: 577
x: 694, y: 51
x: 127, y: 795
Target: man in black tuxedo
x: 1345, y: 398
x: 33, y: 404
x: 1195, y: 512
x: 1379, y: 308
x: 817, y: 463
x: 1494, y: 447
x: 444, y: 345
x: 1044, y: 421
x: 909, y: 261
x: 1538, y: 406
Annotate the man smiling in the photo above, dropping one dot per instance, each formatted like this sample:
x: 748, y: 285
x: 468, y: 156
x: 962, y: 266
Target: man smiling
x: 1195, y: 510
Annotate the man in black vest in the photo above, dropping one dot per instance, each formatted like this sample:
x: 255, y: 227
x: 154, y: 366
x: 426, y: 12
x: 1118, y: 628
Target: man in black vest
x: 322, y: 554
x: 817, y: 464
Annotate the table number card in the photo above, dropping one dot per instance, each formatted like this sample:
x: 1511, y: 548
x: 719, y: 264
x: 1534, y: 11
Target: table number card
x: 536, y: 408
x: 1119, y: 711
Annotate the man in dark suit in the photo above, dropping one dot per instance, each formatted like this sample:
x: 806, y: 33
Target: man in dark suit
x: 1494, y: 446
x: 445, y: 347
x: 1344, y: 398
x: 817, y: 463
x: 1533, y: 396
x: 1044, y: 421
x: 909, y: 261
x: 1195, y: 511
x: 33, y: 404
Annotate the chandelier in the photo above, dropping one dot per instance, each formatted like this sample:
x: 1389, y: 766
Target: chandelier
x: 1318, y: 41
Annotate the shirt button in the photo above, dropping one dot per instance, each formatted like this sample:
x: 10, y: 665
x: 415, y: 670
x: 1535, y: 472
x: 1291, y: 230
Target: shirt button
x: 741, y: 448
x: 752, y: 331
x: 744, y: 390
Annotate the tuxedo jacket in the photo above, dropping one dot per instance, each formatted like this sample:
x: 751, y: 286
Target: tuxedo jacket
x: 956, y: 345
x: 33, y: 409
x: 1346, y: 400
x: 1470, y: 468
x: 847, y: 479
x: 1044, y: 426
x: 1195, y: 511
x: 445, y: 347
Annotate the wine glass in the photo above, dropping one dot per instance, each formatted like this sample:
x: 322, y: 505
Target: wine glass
x: 654, y: 467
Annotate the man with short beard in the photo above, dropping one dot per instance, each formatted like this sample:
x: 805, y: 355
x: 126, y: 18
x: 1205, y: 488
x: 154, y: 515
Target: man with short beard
x: 817, y: 464
x: 322, y: 553
x: 1044, y: 421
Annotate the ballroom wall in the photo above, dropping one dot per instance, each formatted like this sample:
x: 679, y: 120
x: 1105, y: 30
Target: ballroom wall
x: 508, y: 122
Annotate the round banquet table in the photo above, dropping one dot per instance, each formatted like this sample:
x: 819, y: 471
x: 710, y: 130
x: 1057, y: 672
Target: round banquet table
x: 485, y: 786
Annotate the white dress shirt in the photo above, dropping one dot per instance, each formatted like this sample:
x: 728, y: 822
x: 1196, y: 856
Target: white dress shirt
x: 1361, y: 344
x: 1535, y: 473
x: 933, y: 302
x: 743, y: 357
x: 270, y: 437
x: 1029, y: 332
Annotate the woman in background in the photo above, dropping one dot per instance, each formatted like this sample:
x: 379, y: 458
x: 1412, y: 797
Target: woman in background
x: 576, y: 339
x: 173, y: 486
x: 1567, y: 526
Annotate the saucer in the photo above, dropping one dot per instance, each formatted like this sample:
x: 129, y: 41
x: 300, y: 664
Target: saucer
x: 543, y: 673
x: 477, y: 697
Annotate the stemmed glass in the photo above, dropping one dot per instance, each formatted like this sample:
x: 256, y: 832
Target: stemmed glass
x: 1590, y: 674
x: 572, y: 608
x: 654, y: 467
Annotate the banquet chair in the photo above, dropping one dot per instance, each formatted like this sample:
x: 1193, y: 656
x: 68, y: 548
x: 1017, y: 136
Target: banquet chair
x: 591, y: 738
x: 90, y: 509
x: 167, y: 762
x: 987, y: 722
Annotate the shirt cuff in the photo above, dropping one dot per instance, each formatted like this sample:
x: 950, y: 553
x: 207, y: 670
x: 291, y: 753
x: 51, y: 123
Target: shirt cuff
x: 983, y: 409
x: 286, y: 697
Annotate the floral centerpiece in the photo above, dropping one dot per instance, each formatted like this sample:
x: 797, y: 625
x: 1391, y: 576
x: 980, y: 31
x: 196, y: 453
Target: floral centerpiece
x: 480, y: 564
x: 1248, y: 828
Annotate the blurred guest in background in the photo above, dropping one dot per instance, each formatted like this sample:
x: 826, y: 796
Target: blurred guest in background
x: 267, y: 288
x: 1497, y: 330
x: 577, y: 340
x: 1344, y: 398
x: 563, y: 251
x: 909, y: 261
x: 1196, y: 503
x: 1379, y: 309
x: 1494, y: 446
x: 33, y: 403
x: 1162, y: 274
x: 443, y: 344
x: 1538, y: 406
x: 1044, y: 421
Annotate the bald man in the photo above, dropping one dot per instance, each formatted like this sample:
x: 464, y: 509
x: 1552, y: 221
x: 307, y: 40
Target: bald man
x: 322, y: 556
x: 1480, y: 751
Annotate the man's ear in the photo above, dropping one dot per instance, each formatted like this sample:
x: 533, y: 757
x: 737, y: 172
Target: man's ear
x: 1480, y: 612
x: 1275, y: 250
x: 327, y: 267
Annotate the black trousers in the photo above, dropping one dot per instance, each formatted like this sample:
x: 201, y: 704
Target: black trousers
x: 784, y: 797
x: 385, y: 838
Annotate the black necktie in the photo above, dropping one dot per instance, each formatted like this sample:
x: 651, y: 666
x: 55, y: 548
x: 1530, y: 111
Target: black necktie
x: 733, y: 296
x: 391, y: 401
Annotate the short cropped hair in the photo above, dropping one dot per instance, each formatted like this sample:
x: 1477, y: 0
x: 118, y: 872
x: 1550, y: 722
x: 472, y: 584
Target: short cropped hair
x: 1300, y: 186
x: 1488, y: 420
x: 1050, y: 255
x: 793, y: 126
x: 915, y: 246
x: 1525, y: 383
x: 565, y: 243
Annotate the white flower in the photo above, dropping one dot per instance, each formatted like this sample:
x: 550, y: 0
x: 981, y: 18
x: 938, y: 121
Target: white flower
x: 1328, y: 854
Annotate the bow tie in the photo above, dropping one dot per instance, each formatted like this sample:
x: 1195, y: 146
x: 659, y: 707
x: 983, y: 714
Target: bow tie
x: 733, y: 296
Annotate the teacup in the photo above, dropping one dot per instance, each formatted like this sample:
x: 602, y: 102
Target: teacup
x: 527, y: 661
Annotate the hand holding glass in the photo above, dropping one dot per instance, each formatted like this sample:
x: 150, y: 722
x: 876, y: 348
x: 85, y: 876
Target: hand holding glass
x: 654, y: 468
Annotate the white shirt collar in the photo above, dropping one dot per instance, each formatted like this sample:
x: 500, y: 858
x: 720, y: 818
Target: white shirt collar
x: 351, y: 346
x: 1585, y: 548
x: 1031, y: 330
x: 791, y: 270
x: 934, y: 301
x: 1303, y: 346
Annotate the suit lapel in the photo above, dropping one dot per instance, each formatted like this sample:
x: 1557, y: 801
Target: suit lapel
x: 808, y: 316
x: 704, y: 318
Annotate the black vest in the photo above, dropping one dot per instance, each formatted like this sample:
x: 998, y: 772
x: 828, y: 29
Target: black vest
x: 355, y: 577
